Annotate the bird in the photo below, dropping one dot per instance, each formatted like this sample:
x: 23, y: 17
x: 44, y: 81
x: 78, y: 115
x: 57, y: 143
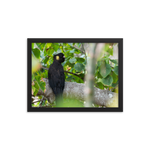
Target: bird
x: 56, y: 77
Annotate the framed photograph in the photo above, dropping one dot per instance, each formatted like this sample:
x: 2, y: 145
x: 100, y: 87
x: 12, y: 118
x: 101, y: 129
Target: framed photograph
x: 75, y: 75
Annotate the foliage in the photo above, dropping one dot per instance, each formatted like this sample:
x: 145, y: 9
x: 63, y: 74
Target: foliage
x: 106, y: 73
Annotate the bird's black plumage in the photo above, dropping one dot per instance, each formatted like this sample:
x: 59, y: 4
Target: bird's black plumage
x: 56, y: 76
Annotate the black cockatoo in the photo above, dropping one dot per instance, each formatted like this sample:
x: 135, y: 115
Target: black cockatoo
x: 56, y: 77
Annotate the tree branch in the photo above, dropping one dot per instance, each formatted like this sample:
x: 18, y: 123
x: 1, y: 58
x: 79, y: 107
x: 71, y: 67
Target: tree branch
x: 45, y: 68
x: 36, y: 101
x: 76, y: 90
x: 66, y: 72
x: 74, y: 74
x: 81, y: 49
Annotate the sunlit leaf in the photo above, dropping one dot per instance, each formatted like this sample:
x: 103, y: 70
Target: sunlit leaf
x: 48, y: 45
x: 46, y: 60
x: 36, y: 52
x: 32, y: 45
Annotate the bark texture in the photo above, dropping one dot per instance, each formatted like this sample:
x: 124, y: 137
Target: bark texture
x: 76, y: 90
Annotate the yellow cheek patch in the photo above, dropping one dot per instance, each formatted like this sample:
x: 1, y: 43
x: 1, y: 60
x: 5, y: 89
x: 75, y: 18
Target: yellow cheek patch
x: 57, y: 57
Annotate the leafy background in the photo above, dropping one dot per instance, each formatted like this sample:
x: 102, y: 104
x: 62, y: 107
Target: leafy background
x: 106, y: 73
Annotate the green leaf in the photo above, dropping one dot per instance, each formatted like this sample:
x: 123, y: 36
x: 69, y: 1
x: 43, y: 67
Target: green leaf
x: 36, y: 85
x: 38, y: 78
x: 71, y: 65
x: 116, y: 70
x: 79, y: 44
x: 108, y: 80
x: 48, y: 45
x: 71, y: 44
x: 77, y: 79
x: 68, y: 54
x: 100, y: 85
x: 80, y: 60
x: 67, y: 58
x: 98, y: 63
x: 114, y: 84
x: 106, y: 47
x: 115, y: 77
x: 69, y: 78
x: 107, y: 60
x: 72, y: 60
x: 42, y: 85
x: 45, y: 52
x: 46, y: 60
x: 35, y: 88
x: 110, y: 51
x: 82, y: 75
x: 50, y: 52
x: 42, y: 46
x: 55, y: 46
x: 45, y: 74
x: 79, y: 67
x: 77, y: 51
x: 114, y: 61
x: 38, y: 45
x: 32, y: 45
x: 64, y: 44
x: 35, y: 92
x: 72, y: 51
x: 58, y: 50
x: 99, y: 80
x: 105, y: 69
x: 36, y: 52
x: 99, y: 75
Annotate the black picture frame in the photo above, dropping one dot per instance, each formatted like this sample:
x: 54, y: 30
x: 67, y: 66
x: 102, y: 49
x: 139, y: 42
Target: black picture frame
x: 75, y: 40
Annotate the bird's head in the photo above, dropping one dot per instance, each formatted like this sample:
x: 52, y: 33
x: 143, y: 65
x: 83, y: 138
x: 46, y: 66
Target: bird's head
x: 59, y: 57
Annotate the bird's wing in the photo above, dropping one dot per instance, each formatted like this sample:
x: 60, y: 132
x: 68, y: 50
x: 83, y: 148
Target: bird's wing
x: 56, y: 79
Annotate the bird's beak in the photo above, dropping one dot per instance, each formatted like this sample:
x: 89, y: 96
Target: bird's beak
x: 63, y: 56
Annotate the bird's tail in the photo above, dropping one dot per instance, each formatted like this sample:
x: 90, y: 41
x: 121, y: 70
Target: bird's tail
x: 59, y: 100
